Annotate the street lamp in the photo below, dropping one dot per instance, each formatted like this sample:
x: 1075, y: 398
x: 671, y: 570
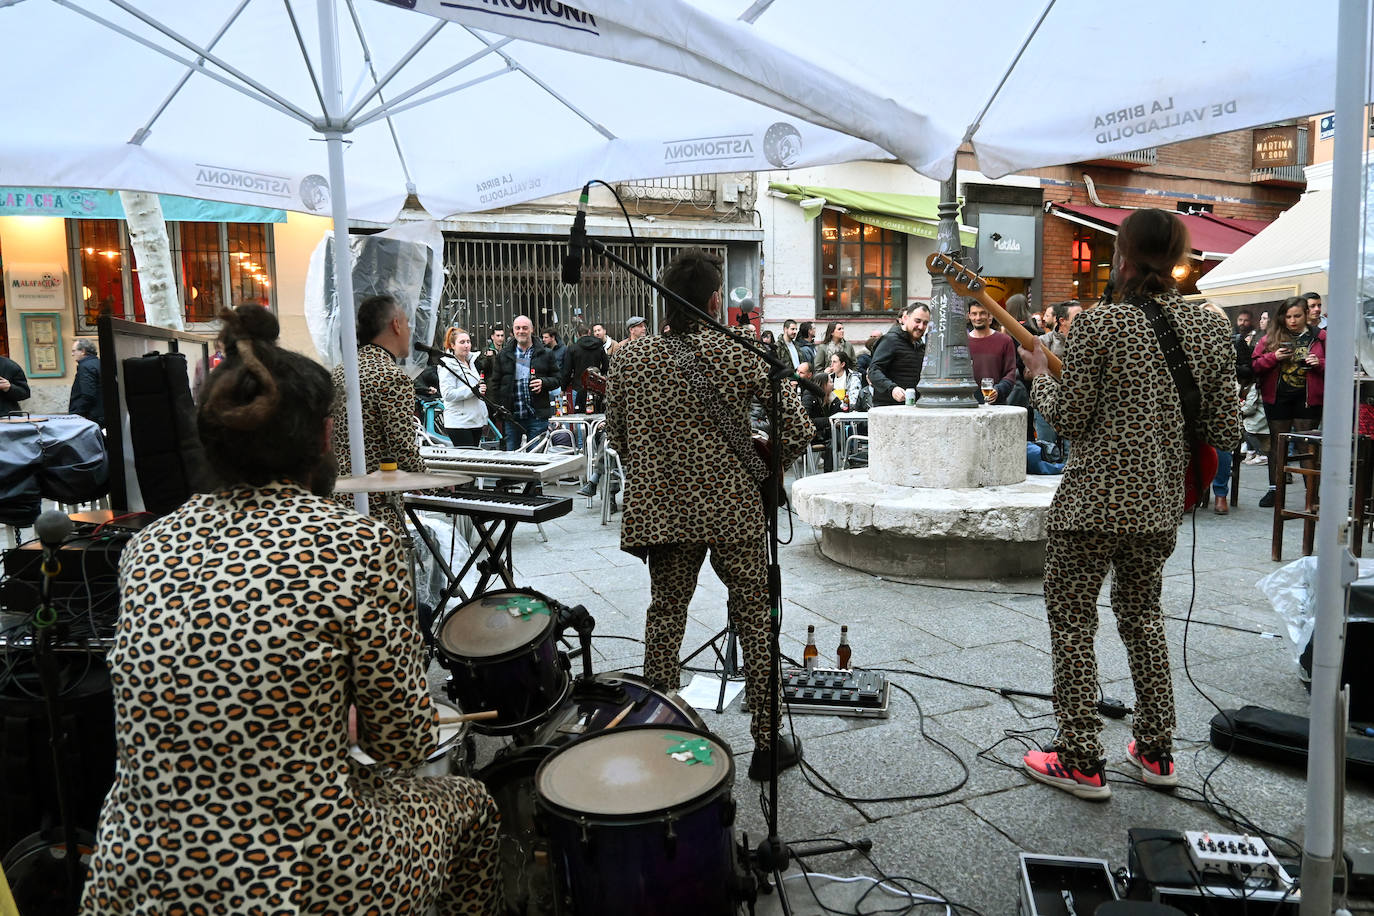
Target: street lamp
x: 947, y: 375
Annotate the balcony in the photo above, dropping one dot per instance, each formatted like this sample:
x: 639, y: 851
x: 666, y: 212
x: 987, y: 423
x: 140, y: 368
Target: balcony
x: 1135, y: 160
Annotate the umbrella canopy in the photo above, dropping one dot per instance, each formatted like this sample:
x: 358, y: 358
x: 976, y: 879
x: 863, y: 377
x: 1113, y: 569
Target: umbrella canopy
x: 482, y: 104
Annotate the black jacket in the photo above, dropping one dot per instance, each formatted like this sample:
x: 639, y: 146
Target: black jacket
x: 1245, y: 372
x: 87, y: 400
x: 19, y: 385
x: 501, y: 381
x: 897, y: 361
x: 585, y: 353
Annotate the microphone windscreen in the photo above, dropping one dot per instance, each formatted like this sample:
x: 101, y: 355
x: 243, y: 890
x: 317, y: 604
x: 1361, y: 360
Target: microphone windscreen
x: 572, y: 269
x: 53, y: 527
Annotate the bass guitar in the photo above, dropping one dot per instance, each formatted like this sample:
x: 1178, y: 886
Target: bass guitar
x: 1202, y: 464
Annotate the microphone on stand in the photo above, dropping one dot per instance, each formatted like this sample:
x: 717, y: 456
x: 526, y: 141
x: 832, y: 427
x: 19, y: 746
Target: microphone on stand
x: 426, y: 348
x: 808, y: 385
x: 52, y: 528
x: 577, y: 241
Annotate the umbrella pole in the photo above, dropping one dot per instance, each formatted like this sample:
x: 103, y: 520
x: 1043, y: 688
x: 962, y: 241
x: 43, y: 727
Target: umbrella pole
x: 1335, y: 565
x: 343, y: 261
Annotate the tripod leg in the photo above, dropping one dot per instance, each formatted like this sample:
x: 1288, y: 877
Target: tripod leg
x: 729, y: 665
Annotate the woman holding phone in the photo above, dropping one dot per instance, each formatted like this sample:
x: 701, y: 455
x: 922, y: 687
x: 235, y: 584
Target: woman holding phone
x: 1290, y: 365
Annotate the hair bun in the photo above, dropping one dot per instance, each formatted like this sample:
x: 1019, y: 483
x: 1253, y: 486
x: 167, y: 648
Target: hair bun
x: 249, y: 322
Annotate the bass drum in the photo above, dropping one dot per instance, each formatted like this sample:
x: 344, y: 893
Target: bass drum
x: 592, y: 705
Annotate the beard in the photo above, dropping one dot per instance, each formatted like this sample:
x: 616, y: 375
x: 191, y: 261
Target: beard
x: 324, y: 475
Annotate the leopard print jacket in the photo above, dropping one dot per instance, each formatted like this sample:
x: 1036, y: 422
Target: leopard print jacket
x: 683, y: 484
x: 1119, y: 407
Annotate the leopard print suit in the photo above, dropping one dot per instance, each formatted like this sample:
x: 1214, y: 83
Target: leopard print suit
x: 251, y: 620
x: 388, y: 400
x: 687, y: 492
x: 1120, y: 503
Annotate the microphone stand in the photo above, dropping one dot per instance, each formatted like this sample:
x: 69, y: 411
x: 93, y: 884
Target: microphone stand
x: 492, y: 407
x: 45, y: 620
x: 772, y: 855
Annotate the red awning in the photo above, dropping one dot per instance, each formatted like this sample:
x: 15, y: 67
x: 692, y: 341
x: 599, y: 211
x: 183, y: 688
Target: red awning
x: 1212, y: 237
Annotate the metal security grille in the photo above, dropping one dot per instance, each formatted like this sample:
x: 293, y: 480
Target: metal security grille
x: 488, y: 282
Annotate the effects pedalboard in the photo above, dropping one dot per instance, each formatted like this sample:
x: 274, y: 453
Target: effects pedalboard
x: 1242, y: 858
x: 835, y: 692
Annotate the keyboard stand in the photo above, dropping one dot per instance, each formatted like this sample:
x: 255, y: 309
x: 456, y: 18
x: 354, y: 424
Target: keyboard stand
x: 491, y: 557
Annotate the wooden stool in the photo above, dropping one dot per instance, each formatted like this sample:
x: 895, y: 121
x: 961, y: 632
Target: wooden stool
x: 1309, y: 447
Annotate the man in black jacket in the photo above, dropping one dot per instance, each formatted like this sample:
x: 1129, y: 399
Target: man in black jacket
x: 86, y: 399
x: 14, y: 385
x: 524, y: 374
x: 587, y: 352
x: 896, y: 365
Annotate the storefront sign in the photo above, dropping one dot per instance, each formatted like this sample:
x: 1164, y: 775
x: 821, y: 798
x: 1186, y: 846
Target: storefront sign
x: 85, y: 203
x: 36, y: 286
x: 1006, y: 245
x: 1275, y: 148
x: 1328, y: 126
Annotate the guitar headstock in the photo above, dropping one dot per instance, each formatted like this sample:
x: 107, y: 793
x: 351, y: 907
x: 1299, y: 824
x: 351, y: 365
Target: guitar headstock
x: 964, y: 281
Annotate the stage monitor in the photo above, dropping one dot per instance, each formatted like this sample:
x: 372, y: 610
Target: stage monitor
x: 119, y: 340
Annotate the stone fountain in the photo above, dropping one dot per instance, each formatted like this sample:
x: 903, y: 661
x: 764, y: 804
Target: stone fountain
x: 945, y: 496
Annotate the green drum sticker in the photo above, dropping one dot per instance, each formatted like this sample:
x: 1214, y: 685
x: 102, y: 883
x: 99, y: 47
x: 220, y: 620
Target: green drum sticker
x: 524, y: 607
x: 690, y: 750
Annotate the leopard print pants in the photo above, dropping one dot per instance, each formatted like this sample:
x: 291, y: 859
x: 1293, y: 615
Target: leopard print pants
x: 472, y: 885
x: 1076, y: 562
x: 743, y: 567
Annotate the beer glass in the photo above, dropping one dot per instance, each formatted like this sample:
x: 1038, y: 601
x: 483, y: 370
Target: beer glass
x: 989, y: 390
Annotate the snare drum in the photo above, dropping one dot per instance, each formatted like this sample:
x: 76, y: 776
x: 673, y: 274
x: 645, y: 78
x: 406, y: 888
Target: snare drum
x: 501, y: 649
x: 527, y: 874
x: 639, y: 820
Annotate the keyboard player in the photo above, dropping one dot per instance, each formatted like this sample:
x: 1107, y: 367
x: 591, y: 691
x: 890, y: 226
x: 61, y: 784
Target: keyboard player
x: 388, y: 398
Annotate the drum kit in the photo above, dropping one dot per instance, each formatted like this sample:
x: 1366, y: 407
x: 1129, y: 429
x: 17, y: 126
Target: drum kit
x: 614, y: 797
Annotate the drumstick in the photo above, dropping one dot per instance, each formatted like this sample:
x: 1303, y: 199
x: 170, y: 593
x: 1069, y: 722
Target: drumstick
x: 469, y: 717
x: 620, y: 716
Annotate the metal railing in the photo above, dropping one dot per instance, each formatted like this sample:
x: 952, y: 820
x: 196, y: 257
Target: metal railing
x: 1136, y: 159
x: 1286, y: 174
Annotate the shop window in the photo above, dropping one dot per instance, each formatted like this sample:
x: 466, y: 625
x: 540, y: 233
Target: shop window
x: 4, y: 323
x: 216, y: 265
x: 860, y: 268
x: 1091, y: 256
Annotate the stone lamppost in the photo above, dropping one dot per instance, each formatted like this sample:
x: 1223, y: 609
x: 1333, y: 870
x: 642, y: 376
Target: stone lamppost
x: 947, y: 376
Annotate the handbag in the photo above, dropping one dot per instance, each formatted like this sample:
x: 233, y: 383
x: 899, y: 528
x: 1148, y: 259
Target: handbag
x: 1202, y: 461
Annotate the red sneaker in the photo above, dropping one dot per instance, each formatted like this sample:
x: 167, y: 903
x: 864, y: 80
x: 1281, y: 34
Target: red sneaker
x: 1090, y: 784
x: 1155, y: 769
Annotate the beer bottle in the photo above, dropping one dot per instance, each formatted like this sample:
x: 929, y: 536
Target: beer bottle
x: 842, y: 653
x: 810, y: 655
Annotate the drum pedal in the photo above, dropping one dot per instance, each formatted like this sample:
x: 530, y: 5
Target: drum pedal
x: 835, y: 692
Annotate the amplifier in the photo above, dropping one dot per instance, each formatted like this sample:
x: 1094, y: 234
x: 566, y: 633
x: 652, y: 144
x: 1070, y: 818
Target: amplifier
x: 1213, y: 883
x: 835, y: 692
x: 84, y: 591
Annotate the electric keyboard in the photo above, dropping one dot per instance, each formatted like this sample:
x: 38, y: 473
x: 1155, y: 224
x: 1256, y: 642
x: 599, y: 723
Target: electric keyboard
x: 494, y: 504
x: 835, y: 692
x: 545, y: 467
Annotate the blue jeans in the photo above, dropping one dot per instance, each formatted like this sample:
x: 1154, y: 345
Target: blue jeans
x: 1221, y: 484
x: 533, y: 427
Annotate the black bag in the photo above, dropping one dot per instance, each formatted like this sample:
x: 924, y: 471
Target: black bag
x: 61, y: 458
x: 168, y: 456
x: 1282, y: 738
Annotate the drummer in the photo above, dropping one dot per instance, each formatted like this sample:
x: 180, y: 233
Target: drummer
x: 388, y: 401
x: 252, y: 618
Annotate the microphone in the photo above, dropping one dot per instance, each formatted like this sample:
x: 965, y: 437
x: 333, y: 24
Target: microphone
x: 53, y: 528
x: 577, y: 240
x: 426, y: 348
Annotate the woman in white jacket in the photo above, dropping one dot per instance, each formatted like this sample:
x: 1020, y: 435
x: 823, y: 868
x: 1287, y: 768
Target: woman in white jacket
x: 465, y: 415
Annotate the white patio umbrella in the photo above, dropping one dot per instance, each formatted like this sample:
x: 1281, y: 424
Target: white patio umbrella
x: 533, y: 97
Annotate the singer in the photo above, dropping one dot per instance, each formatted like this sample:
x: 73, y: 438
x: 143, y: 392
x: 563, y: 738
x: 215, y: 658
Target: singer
x: 388, y: 398
x: 1122, y: 498
x: 252, y: 619
x: 684, y: 443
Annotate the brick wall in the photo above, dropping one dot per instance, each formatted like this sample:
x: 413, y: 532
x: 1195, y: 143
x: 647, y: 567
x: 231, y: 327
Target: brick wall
x: 1216, y: 167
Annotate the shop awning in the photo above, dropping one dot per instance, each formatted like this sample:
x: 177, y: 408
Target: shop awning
x: 914, y: 214
x: 1293, y: 249
x: 1213, y: 237
x: 88, y: 203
